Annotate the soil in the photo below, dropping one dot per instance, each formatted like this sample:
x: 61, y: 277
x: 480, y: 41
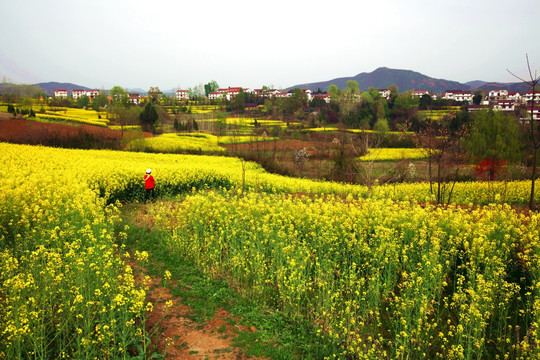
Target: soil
x: 188, y: 339
x: 27, y: 131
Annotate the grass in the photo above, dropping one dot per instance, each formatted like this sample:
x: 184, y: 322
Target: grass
x: 276, y: 337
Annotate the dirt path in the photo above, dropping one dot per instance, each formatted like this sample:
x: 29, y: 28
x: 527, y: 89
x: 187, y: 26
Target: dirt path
x: 171, y: 323
x: 188, y: 339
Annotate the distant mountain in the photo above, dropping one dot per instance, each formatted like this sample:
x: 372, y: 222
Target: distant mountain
x: 520, y: 87
x: 139, y: 91
x: 476, y: 83
x: 383, y: 77
x: 49, y: 87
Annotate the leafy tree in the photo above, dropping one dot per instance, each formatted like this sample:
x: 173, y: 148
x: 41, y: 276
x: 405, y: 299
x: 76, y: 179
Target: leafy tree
x: 119, y: 97
x: 212, y: 86
x: 494, y: 135
x: 478, y: 96
x: 154, y: 93
x: 352, y: 87
x: 425, y: 102
x: 238, y: 104
x: 99, y: 102
x: 393, y: 90
x: 381, y: 126
x: 83, y: 101
x: 149, y: 118
x: 333, y: 91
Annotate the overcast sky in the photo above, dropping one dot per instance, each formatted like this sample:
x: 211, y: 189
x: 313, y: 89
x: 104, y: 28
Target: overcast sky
x: 180, y: 44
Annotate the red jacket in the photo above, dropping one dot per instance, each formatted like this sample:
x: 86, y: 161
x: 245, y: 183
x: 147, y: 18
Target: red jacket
x: 149, y: 181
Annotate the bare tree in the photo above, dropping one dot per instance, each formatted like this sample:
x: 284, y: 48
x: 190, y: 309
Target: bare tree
x: 442, y: 149
x: 533, y: 134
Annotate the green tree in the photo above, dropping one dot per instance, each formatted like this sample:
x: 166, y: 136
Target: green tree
x: 333, y: 91
x: 238, y: 104
x: 478, y: 96
x: 352, y: 87
x: 119, y: 97
x: 381, y: 126
x: 212, y: 86
x: 393, y: 90
x: 83, y: 101
x: 149, y: 118
x: 99, y: 102
x: 494, y: 135
x: 154, y: 93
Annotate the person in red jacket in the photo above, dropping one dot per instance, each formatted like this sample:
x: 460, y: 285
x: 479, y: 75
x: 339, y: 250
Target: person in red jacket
x: 149, y: 184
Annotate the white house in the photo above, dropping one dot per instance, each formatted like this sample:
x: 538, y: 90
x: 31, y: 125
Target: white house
x: 536, y: 114
x: 308, y: 93
x: 325, y: 97
x: 504, y: 105
x: 385, y: 93
x: 215, y: 95
x: 92, y: 94
x: 60, y: 93
x: 135, y: 99
x: 182, y: 95
x: 77, y: 93
x: 458, y: 95
x: 419, y: 93
x: 283, y: 94
x: 228, y: 93
x: 529, y: 96
x: 514, y: 95
x: 495, y: 95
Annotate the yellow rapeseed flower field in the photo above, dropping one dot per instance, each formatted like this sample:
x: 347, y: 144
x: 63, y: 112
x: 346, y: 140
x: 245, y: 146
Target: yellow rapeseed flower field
x: 177, y: 143
x: 382, y: 279
x: 392, y: 154
x: 379, y: 274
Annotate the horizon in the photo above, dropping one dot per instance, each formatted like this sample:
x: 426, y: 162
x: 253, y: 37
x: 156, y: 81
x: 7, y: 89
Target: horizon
x: 172, y: 45
x: 173, y: 89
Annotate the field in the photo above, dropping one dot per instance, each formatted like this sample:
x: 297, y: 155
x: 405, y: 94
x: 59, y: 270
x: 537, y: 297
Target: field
x: 393, y: 154
x: 379, y: 274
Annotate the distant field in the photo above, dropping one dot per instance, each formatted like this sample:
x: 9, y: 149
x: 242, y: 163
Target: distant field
x: 393, y: 154
x: 177, y: 143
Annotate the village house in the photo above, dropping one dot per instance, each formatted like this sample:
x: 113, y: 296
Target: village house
x: 385, y: 93
x: 77, y: 93
x: 458, y: 95
x: 61, y: 93
x: 308, y: 93
x: 182, y: 95
x: 283, y: 94
x: 265, y: 93
x: 496, y: 95
x: 535, y: 112
x: 227, y: 93
x: 92, y: 94
x: 419, y: 93
x: 504, y: 105
x: 135, y: 99
x: 514, y: 95
x: 528, y: 97
x: 325, y: 97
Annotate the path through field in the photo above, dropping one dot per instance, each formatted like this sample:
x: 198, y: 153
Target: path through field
x: 175, y: 323
x: 189, y: 339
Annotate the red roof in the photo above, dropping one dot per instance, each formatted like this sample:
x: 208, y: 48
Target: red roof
x: 55, y: 90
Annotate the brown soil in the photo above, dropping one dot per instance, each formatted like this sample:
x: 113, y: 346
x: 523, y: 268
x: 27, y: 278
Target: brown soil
x: 280, y: 146
x: 28, y: 131
x: 187, y: 339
